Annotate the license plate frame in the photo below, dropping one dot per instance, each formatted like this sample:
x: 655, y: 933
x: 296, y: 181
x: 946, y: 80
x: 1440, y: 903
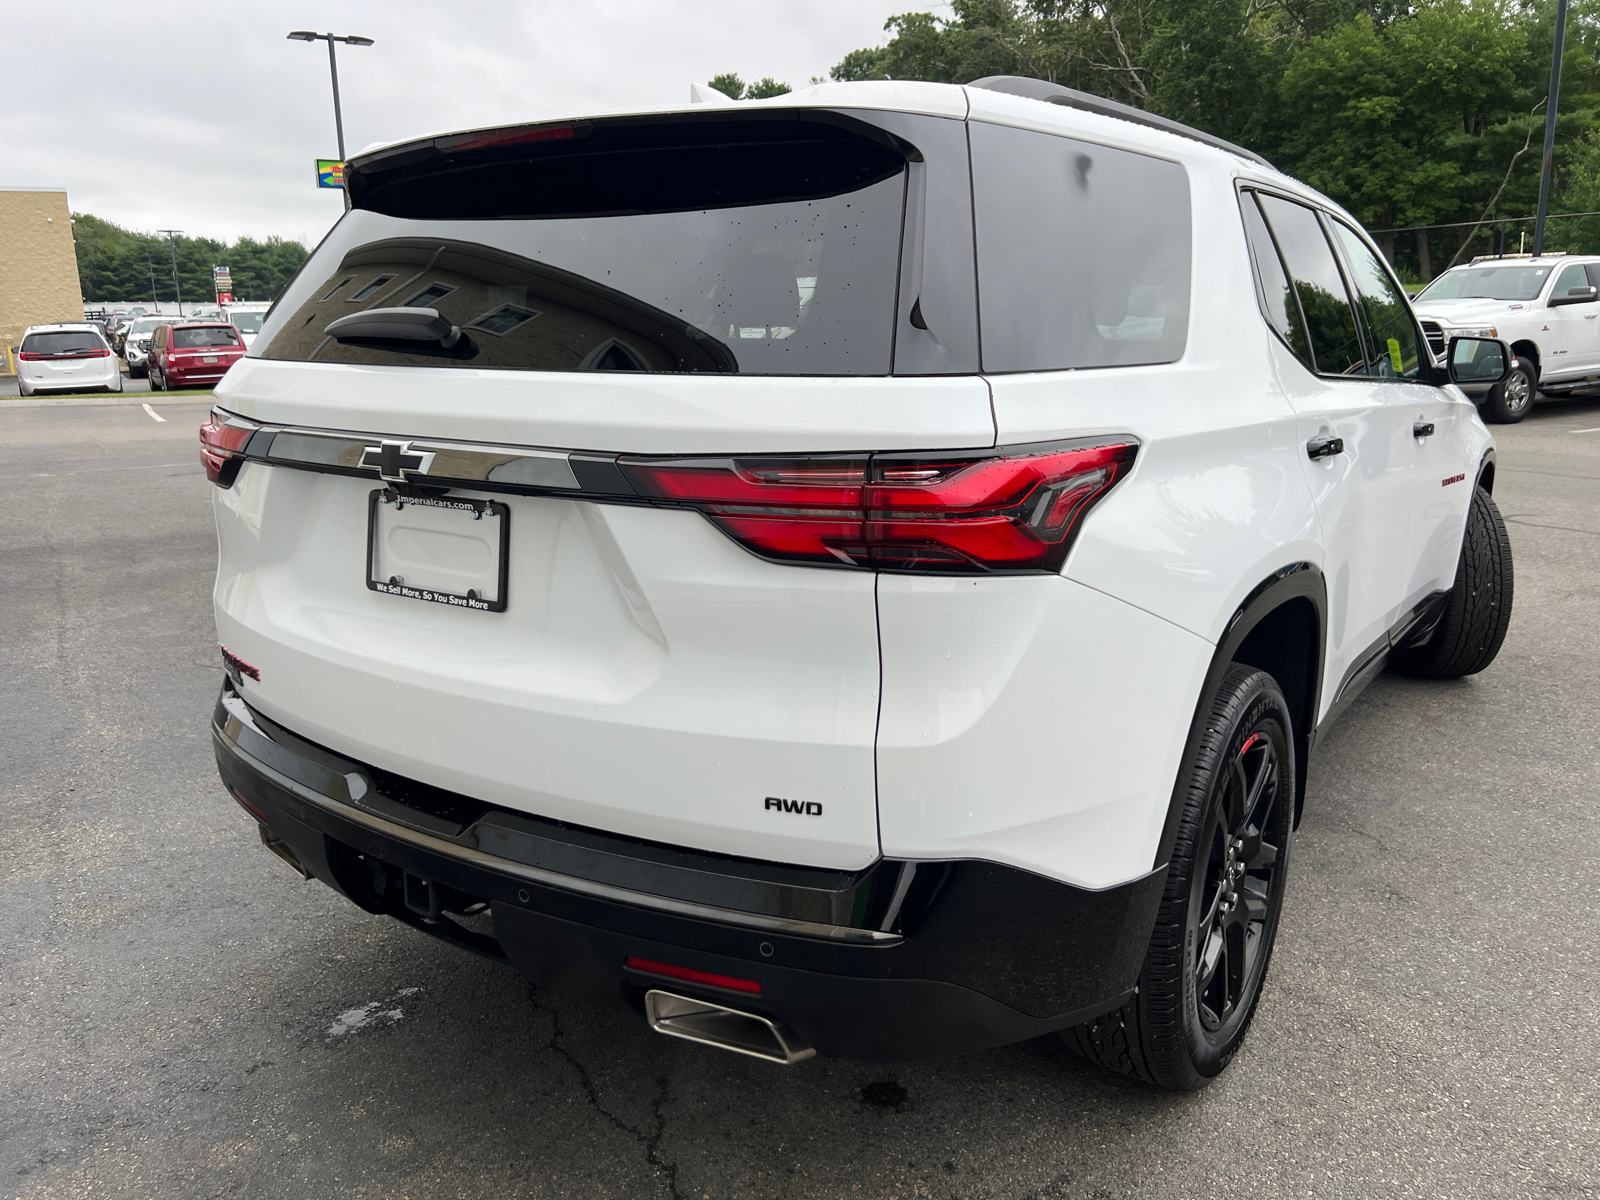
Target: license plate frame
x: 387, y: 498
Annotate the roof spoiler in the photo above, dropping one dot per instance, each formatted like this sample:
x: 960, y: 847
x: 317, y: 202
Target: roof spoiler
x: 1054, y: 93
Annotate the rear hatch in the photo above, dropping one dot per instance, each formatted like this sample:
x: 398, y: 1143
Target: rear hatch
x: 451, y: 547
x: 59, y: 358
x: 203, y: 351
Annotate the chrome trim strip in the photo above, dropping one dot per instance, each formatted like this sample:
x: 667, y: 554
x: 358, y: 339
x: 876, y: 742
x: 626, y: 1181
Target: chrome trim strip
x: 470, y: 462
x: 603, y: 891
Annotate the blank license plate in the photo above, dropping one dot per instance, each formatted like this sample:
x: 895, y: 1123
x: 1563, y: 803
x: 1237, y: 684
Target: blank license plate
x: 438, y: 548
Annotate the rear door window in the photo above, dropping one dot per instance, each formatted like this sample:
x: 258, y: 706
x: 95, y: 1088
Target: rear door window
x: 1318, y: 285
x: 1273, y: 290
x: 762, y: 245
x: 1083, y: 252
x: 1394, y: 352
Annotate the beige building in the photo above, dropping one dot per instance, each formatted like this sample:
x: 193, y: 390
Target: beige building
x: 38, y: 264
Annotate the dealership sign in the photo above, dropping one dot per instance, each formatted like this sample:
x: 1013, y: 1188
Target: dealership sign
x: 222, y: 284
x: 330, y: 173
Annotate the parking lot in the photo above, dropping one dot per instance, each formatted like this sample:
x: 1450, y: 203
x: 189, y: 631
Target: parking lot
x: 184, y: 1017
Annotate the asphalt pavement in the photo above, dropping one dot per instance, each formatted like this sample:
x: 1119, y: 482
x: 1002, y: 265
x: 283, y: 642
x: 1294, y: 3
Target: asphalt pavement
x: 181, y: 1016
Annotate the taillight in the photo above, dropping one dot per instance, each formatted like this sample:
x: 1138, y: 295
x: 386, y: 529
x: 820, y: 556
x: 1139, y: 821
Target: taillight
x: 1013, y: 509
x: 222, y: 439
x: 34, y: 356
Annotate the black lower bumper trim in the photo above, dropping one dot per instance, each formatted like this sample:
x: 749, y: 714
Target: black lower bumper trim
x: 994, y: 954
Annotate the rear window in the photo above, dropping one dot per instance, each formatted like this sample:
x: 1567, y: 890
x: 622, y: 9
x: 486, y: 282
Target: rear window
x: 1083, y: 252
x: 247, y: 322
x: 65, y: 342
x: 760, y: 244
x: 211, y: 335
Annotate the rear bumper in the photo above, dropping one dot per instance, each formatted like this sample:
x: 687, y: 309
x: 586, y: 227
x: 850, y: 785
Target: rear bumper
x: 899, y: 962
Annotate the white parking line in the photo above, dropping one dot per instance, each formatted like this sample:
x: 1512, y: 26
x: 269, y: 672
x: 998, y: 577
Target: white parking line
x: 1596, y: 429
x: 154, y: 415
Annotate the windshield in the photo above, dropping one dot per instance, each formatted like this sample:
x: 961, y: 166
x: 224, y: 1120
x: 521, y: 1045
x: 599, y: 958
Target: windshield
x: 752, y: 246
x: 143, y: 326
x: 212, y: 335
x: 73, y: 343
x: 247, y: 322
x: 1521, y: 282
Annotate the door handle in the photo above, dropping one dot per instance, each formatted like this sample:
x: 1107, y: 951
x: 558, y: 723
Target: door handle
x: 1324, y: 447
x: 1422, y: 429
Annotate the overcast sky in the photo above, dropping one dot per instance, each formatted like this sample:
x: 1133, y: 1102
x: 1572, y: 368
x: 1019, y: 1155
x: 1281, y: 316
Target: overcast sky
x: 205, y: 118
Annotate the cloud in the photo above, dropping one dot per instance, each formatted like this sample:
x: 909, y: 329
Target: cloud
x: 206, y: 118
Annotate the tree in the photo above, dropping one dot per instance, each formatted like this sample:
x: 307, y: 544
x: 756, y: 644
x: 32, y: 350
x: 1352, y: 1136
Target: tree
x: 117, y: 265
x: 731, y: 86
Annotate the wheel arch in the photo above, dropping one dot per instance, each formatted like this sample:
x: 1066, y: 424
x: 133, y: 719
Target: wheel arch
x: 1280, y: 628
x: 1529, y: 349
x: 1486, y: 471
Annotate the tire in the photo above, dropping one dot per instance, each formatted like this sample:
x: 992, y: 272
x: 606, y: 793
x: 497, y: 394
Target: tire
x: 1214, y: 932
x: 1510, y: 401
x: 1477, y: 611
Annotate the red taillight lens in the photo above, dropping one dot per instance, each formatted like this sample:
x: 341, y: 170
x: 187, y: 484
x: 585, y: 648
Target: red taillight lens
x: 1012, y: 509
x: 222, y: 437
x: 691, y: 975
x: 32, y: 356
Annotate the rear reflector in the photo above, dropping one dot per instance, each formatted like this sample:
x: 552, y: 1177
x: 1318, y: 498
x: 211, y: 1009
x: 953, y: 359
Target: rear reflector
x: 250, y: 808
x: 222, y: 439
x: 1013, y: 509
x: 690, y: 975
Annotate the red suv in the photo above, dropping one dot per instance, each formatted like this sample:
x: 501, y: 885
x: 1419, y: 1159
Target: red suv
x: 194, y: 354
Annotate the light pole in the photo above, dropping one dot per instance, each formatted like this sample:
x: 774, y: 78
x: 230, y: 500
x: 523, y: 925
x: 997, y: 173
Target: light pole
x: 172, y: 240
x: 306, y: 35
x: 1550, y: 129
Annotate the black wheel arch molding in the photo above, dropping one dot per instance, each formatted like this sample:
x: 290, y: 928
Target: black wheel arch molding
x: 1280, y: 627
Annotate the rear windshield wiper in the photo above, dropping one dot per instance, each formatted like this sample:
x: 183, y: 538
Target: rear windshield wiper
x: 411, y: 330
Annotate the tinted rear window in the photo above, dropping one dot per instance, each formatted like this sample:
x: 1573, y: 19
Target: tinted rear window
x: 66, y: 342
x: 756, y: 246
x: 1083, y: 252
x: 211, y: 335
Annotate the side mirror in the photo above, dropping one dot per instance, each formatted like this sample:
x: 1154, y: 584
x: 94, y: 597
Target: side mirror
x: 1577, y: 295
x: 1479, y: 360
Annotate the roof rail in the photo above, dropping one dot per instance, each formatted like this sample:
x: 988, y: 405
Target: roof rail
x: 1054, y: 93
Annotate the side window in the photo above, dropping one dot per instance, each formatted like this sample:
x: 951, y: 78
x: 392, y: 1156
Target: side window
x: 1272, y: 285
x: 1572, y: 276
x: 1319, y: 286
x: 1593, y: 270
x: 1083, y: 252
x: 1389, y: 326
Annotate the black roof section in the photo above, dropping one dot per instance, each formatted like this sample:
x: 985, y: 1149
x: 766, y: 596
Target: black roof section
x: 1054, y: 93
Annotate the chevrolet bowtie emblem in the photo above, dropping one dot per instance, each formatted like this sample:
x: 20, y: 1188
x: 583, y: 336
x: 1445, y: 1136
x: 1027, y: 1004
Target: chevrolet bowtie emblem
x: 397, y: 460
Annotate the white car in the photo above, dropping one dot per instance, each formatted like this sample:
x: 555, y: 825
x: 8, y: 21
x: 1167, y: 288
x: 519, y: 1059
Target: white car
x: 1547, y: 309
x: 860, y: 573
x: 69, y: 357
x: 246, y: 318
x: 136, y: 344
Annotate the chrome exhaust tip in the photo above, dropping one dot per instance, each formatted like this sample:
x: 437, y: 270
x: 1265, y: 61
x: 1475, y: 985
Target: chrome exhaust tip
x: 726, y: 1028
x: 281, y: 849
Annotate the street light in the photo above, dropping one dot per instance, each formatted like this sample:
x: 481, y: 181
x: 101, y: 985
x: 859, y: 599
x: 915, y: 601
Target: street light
x: 172, y: 236
x: 306, y: 35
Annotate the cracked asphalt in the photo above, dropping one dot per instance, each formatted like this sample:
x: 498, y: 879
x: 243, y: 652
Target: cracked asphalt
x: 180, y: 1016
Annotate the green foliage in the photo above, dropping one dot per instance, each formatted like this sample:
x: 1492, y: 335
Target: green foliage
x: 115, y: 264
x: 733, y: 87
x: 1405, y: 111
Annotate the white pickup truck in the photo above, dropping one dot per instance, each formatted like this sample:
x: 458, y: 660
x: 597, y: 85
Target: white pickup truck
x: 1547, y: 309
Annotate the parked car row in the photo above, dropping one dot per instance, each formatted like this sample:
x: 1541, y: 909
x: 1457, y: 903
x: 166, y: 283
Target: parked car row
x: 78, y: 357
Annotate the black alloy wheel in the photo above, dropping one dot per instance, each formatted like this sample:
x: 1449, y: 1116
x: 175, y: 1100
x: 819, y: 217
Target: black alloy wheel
x: 1219, y: 911
x: 1228, y: 901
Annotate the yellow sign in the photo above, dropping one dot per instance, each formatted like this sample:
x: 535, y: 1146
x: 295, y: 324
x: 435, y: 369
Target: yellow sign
x: 1394, y: 357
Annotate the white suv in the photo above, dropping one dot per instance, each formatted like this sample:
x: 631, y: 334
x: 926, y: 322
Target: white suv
x: 1547, y: 309
x: 860, y: 572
